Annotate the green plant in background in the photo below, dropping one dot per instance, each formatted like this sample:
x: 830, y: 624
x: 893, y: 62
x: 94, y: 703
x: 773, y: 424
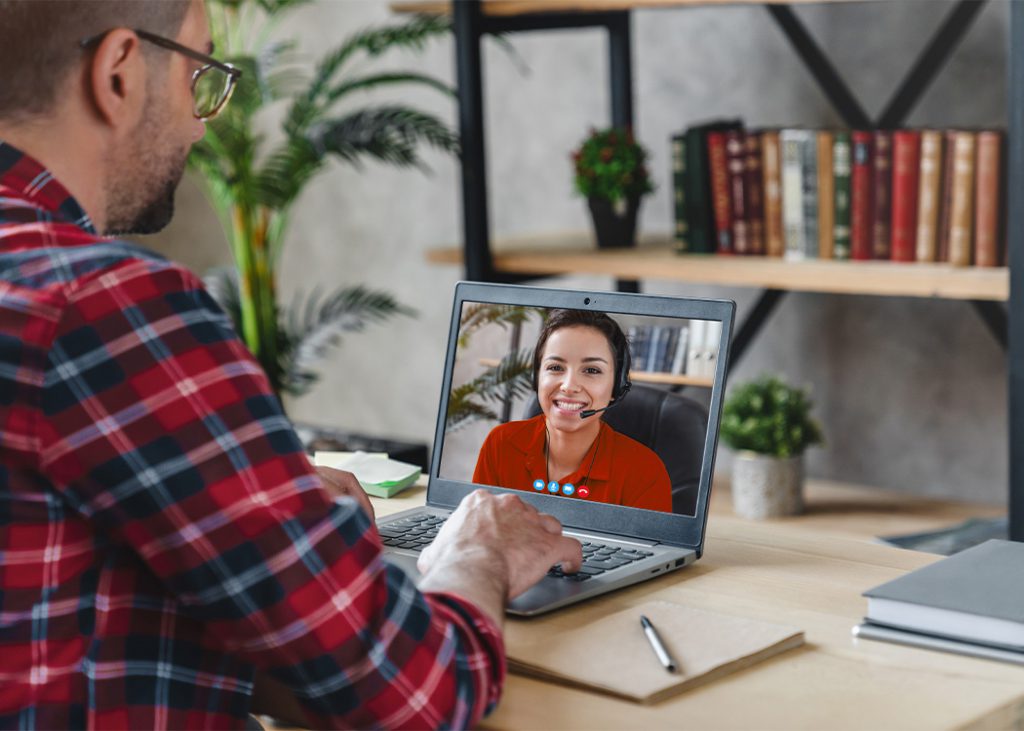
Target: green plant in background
x: 769, y: 417
x: 610, y: 164
x: 254, y: 182
x: 500, y: 384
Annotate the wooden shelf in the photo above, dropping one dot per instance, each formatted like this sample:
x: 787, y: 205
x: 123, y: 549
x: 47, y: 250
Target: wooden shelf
x: 511, y: 8
x: 654, y: 258
x: 667, y: 379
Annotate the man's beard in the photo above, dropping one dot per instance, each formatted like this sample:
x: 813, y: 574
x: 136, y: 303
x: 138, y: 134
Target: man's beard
x: 142, y: 196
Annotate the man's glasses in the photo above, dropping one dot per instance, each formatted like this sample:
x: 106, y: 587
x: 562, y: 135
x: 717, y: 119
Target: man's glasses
x: 212, y: 83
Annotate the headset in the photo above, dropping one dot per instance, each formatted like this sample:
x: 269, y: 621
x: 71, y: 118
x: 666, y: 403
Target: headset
x: 623, y: 364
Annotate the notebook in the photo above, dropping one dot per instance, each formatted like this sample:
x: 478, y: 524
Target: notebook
x: 976, y: 595
x: 705, y: 645
x: 530, y: 368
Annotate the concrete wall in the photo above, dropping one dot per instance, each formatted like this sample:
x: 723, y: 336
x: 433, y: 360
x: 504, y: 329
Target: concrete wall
x: 912, y: 393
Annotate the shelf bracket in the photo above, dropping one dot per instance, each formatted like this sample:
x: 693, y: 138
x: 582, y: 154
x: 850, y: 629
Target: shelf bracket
x: 753, y: 323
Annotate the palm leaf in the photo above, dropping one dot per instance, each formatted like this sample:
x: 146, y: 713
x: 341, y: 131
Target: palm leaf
x: 315, y: 327
x: 222, y: 284
x: 476, y: 316
x: 511, y: 378
x: 390, y: 134
x: 375, y: 80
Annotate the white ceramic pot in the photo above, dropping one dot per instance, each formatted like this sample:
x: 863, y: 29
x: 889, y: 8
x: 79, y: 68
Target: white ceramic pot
x: 767, y: 487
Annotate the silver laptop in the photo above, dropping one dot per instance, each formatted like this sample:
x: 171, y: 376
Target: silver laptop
x: 637, y: 500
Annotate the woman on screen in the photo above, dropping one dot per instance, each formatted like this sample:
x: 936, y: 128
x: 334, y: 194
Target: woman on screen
x: 580, y: 369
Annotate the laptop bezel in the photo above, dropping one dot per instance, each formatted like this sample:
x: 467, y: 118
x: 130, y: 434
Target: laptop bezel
x: 677, y: 530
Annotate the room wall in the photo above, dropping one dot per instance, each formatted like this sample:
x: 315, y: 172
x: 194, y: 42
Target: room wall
x: 911, y: 392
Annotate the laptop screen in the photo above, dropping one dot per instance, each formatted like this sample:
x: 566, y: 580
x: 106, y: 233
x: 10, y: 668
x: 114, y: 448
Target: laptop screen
x: 580, y: 404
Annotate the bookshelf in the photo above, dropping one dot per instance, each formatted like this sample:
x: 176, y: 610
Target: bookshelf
x: 555, y: 253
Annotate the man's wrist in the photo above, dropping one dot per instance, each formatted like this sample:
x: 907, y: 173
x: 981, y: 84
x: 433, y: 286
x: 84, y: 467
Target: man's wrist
x: 476, y: 573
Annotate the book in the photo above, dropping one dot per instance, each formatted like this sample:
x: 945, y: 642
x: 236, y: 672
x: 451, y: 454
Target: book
x: 709, y: 356
x: 754, y: 188
x: 976, y: 595
x: 736, y: 160
x: 841, y: 167
x: 929, y: 189
x: 720, y: 192
x: 640, y: 343
x: 705, y: 645
x: 826, y: 195
x: 906, y: 168
x: 697, y: 193
x: 871, y: 631
x: 681, y: 231
x: 961, y: 203
x: 679, y: 357
x: 771, y: 166
x: 881, y: 197
x: 946, y: 194
x: 860, y: 196
x: 669, y: 350
x: 794, y: 143
x: 656, y: 348
x: 694, y: 354
x: 988, y: 174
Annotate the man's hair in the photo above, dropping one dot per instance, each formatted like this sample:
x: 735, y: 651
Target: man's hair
x: 39, y: 43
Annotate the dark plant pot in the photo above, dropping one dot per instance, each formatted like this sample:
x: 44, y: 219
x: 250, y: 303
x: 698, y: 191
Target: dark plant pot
x: 615, y: 229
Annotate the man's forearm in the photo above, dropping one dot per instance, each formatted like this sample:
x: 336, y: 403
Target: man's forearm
x: 476, y: 575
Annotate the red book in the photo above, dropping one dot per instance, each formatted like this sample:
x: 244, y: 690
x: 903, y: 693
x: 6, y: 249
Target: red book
x: 736, y: 159
x: 861, y: 203
x: 881, y: 239
x: 906, y: 167
x: 720, y: 194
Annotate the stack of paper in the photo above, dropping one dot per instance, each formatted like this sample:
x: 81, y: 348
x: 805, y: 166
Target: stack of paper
x: 379, y: 476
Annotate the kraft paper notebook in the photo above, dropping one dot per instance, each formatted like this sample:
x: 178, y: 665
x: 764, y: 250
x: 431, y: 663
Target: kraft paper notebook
x: 613, y: 656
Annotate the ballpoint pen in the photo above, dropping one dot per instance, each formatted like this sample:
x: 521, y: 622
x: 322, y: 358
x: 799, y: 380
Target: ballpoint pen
x: 657, y: 645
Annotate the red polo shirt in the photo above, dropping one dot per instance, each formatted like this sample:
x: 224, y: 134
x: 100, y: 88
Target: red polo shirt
x: 624, y: 471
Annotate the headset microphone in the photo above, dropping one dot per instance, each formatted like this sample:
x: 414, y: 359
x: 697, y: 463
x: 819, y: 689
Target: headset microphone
x: 590, y: 412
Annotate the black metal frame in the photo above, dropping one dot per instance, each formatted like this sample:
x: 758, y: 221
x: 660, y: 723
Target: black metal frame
x: 471, y: 25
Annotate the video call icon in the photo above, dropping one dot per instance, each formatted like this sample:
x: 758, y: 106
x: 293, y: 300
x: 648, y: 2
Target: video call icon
x: 538, y: 485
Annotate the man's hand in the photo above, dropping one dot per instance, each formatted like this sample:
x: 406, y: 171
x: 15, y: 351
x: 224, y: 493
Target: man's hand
x: 503, y: 536
x: 344, y: 484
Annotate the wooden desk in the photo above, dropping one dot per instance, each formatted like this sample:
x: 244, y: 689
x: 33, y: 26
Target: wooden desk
x: 809, y: 572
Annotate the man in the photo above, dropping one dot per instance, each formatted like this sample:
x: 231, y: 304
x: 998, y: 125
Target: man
x: 163, y: 539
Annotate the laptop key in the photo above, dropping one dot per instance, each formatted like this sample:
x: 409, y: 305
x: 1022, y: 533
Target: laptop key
x: 590, y: 570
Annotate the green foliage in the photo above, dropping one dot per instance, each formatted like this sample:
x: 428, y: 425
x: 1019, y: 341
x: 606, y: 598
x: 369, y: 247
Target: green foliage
x: 610, y: 164
x: 253, y: 180
x: 511, y: 378
x: 768, y: 417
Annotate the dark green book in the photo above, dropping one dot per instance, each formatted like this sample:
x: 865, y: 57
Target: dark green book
x: 841, y: 166
x: 697, y: 193
x: 681, y: 231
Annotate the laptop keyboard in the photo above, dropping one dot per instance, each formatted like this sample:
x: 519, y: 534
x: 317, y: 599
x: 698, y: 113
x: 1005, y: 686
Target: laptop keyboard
x: 417, y: 531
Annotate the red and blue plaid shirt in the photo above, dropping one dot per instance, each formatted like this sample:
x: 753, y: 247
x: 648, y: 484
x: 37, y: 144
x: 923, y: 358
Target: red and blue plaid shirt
x: 162, y: 534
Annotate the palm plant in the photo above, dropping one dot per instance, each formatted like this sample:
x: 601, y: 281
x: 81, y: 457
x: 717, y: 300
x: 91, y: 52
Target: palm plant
x: 500, y: 384
x: 254, y: 184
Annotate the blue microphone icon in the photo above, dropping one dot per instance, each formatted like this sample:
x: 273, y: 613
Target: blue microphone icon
x: 553, y: 487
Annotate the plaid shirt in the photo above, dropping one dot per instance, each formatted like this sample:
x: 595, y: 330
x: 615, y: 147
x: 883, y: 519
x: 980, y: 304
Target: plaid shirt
x: 162, y: 534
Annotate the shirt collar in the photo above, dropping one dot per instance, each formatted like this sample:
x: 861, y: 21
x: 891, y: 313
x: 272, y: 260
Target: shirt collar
x: 596, y: 464
x: 23, y: 177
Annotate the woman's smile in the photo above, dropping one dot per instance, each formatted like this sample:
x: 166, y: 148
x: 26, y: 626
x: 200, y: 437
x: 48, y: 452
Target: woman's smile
x: 577, y: 373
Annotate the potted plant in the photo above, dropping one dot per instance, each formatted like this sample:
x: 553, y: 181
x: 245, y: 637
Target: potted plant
x: 611, y: 173
x: 253, y: 179
x: 769, y: 425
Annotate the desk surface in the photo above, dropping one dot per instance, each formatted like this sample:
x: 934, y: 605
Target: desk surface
x: 807, y: 571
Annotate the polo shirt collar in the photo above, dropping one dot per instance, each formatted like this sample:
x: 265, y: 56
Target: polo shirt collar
x: 530, y: 442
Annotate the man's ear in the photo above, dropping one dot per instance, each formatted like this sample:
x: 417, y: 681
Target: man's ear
x: 117, y: 78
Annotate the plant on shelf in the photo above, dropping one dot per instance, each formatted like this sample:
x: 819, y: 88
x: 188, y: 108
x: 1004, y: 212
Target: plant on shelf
x: 253, y: 180
x: 769, y: 424
x: 611, y: 173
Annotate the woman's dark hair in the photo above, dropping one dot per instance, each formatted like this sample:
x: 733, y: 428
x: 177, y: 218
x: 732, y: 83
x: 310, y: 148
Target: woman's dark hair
x: 559, y: 319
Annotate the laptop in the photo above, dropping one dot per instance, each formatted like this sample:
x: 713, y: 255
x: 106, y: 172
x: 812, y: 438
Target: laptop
x: 638, y: 500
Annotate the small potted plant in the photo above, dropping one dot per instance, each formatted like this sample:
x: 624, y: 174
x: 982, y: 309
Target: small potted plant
x: 769, y: 425
x: 611, y: 172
